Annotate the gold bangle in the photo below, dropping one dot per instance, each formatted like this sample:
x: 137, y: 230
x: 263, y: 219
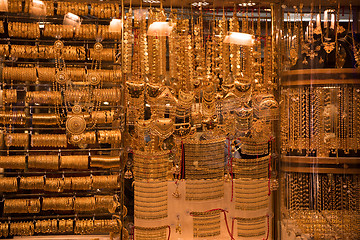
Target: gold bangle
x: 74, y: 162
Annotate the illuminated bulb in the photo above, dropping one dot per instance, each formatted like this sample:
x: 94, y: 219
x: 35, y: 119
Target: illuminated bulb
x: 115, y: 25
x: 151, y: 1
x: 199, y: 4
x: 37, y: 8
x: 4, y: 5
x: 249, y: 4
x: 72, y: 19
x: 239, y: 39
x: 159, y: 29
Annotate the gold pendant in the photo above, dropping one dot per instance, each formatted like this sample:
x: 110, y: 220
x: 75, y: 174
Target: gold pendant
x: 293, y: 56
x: 317, y: 30
x: 329, y: 46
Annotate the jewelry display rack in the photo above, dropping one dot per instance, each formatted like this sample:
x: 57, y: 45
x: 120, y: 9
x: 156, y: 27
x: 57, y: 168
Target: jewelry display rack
x: 320, y: 124
x: 62, y: 121
x: 222, y: 120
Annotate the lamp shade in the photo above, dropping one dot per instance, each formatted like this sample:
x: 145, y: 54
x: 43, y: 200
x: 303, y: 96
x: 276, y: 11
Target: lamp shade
x: 4, y: 5
x: 37, y: 8
x: 115, y: 25
x: 239, y: 39
x: 159, y: 29
x: 72, y: 19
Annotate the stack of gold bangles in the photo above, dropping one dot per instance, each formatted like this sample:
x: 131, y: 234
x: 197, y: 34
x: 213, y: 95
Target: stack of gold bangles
x: 32, y: 183
x: 104, y: 10
x: 15, y: 6
x: 49, y: 140
x: 8, y: 184
x: 22, y: 229
x: 9, y: 96
x: 110, y: 136
x: 57, y: 30
x: 104, y: 161
x: 43, y: 97
x: 46, y: 226
x: 18, y: 117
x: 13, y: 162
x: 24, y: 30
x: 75, y: 8
x: 47, y: 119
x: 4, y: 229
x: 74, y: 162
x: 17, y: 139
x: 21, y: 206
x: 83, y: 183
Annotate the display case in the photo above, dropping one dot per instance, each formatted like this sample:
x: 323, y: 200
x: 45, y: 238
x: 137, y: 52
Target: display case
x: 62, y: 121
x: 319, y: 124
x: 208, y: 120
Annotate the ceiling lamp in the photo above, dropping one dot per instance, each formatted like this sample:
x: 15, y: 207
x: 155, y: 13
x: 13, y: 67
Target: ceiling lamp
x: 72, y: 20
x: 199, y: 4
x: 239, y: 39
x: 115, y: 25
x: 4, y: 5
x: 37, y: 8
x: 152, y: 1
x: 249, y: 4
x: 159, y: 29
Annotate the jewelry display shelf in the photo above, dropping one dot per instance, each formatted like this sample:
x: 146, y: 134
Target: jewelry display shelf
x: 80, y: 65
x: 320, y: 120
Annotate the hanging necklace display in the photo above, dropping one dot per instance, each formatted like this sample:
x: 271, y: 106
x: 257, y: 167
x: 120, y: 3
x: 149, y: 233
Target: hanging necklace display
x: 234, y: 48
x: 294, y: 40
x: 61, y: 77
x: 355, y: 46
x: 340, y: 51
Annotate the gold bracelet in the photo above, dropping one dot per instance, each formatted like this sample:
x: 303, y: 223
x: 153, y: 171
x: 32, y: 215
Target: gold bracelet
x: 32, y: 183
x: 74, y: 162
x: 8, y: 184
x: 102, y: 161
x: 13, y: 162
x: 17, y: 139
x: 43, y: 161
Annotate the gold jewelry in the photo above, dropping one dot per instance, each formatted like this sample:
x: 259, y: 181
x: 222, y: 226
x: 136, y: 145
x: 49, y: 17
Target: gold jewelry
x: 8, y: 184
x: 102, y: 161
x: 74, y: 162
x: 49, y: 140
x: 105, y: 182
x: 145, y: 207
x: 57, y: 204
x: 206, y: 224
x: 84, y: 204
x: 43, y: 161
x: 32, y: 183
x: 13, y: 162
x: 54, y: 185
x: 17, y: 139
x: 150, y: 233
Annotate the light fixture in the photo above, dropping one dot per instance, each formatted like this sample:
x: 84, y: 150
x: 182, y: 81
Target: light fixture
x: 239, y: 39
x: 249, y: 4
x: 4, y: 5
x: 199, y: 4
x: 115, y: 25
x: 159, y: 29
x: 37, y: 8
x: 152, y: 1
x: 72, y: 20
